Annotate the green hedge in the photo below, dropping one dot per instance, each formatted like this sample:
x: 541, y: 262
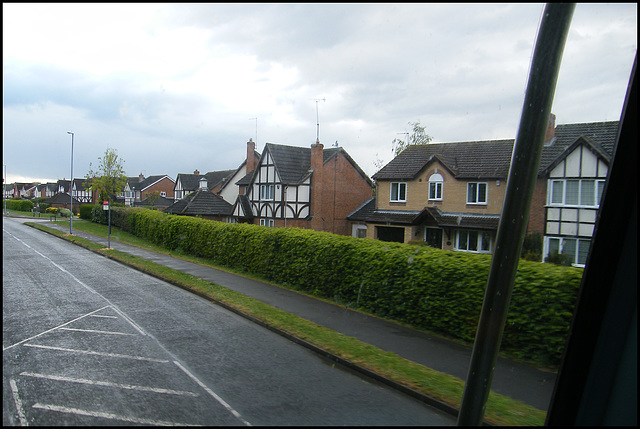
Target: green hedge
x: 421, y: 286
x: 20, y: 205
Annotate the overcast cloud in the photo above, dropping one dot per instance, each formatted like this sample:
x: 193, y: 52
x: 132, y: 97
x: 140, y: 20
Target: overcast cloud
x: 174, y: 87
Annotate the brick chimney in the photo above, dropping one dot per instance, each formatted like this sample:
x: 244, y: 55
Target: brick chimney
x: 551, y: 129
x: 196, y: 172
x: 140, y: 177
x: 251, y: 157
x: 317, y: 179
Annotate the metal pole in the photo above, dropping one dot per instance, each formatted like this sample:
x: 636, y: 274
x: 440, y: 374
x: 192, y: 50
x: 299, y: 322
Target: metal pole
x: 109, y: 232
x: 525, y: 160
x: 71, y: 187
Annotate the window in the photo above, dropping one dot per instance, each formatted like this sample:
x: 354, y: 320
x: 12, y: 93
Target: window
x: 576, y: 248
x: 266, y: 222
x: 266, y: 192
x: 575, y: 192
x: 435, y: 187
x: 476, y: 193
x: 473, y: 241
x: 398, y: 191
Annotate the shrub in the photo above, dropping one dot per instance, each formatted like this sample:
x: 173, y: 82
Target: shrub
x: 532, y: 247
x: 19, y: 205
x: 85, y: 211
x: 421, y: 286
x: 559, y: 259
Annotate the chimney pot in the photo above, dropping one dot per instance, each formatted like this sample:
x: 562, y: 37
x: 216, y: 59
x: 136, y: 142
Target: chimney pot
x: 196, y: 172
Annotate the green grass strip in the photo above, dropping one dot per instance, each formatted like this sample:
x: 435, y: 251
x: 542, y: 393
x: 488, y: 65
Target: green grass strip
x: 500, y: 410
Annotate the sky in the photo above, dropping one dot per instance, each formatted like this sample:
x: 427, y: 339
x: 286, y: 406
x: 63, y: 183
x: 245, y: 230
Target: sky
x: 177, y: 87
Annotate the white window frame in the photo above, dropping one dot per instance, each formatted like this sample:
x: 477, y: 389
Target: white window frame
x: 267, y: 222
x: 482, y: 239
x: 552, y: 200
x: 580, y: 244
x: 267, y: 192
x: 435, y: 184
x: 394, y: 195
x: 474, y: 197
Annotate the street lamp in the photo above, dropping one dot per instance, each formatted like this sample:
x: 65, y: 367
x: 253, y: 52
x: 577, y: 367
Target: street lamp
x: 71, y: 187
x: 4, y: 189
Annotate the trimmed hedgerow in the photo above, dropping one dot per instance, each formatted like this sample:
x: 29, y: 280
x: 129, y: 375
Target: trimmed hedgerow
x: 19, y: 205
x: 421, y: 286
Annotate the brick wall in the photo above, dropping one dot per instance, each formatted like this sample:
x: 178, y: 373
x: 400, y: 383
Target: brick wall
x: 538, y: 201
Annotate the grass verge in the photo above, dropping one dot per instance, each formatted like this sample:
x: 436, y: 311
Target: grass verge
x: 442, y: 388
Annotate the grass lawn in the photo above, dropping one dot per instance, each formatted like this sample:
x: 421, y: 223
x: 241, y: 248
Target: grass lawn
x: 446, y: 389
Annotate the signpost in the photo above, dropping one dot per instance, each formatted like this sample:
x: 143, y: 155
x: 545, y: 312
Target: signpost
x: 106, y: 206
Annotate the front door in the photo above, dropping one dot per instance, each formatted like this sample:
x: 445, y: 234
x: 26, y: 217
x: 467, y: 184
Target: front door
x: 433, y: 237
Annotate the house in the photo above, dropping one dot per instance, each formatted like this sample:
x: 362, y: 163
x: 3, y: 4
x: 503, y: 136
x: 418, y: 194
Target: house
x: 571, y: 180
x: 451, y: 194
x: 230, y: 189
x: 63, y: 200
x: 312, y: 188
x: 202, y: 203
x: 188, y: 183
x: 82, y: 192
x: 159, y: 203
x: 138, y: 188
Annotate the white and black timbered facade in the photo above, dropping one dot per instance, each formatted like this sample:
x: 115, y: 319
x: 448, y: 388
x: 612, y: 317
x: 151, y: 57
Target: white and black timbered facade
x: 275, y: 193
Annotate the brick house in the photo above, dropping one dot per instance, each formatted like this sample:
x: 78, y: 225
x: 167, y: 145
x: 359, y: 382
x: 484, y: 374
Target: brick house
x: 312, y: 188
x: 139, y: 188
x: 188, y: 183
x: 451, y: 194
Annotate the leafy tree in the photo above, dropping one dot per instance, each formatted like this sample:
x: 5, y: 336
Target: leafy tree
x: 152, y: 197
x: 109, y: 178
x: 419, y: 136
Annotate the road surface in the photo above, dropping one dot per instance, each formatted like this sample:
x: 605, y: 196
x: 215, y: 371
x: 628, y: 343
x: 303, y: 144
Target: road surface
x: 88, y: 341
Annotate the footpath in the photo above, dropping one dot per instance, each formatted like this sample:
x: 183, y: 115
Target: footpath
x: 516, y: 380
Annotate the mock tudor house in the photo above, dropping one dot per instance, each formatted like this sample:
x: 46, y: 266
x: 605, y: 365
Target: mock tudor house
x: 138, y: 188
x: 451, y: 194
x: 81, y: 192
x: 313, y: 188
x: 231, y: 189
x: 188, y: 183
x: 571, y: 179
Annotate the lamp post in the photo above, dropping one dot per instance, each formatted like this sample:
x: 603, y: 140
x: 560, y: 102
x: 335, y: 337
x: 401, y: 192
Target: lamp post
x: 4, y: 189
x: 71, y: 187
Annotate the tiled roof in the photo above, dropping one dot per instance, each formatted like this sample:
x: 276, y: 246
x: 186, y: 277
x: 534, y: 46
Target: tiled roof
x: 430, y: 215
x: 201, y: 202
x: 466, y: 160
x: 135, y: 184
x: 601, y: 135
x: 245, y: 204
x: 159, y: 202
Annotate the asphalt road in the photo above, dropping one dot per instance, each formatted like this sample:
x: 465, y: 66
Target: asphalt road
x: 88, y: 341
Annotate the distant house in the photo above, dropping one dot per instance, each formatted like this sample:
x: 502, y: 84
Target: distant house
x: 230, y: 189
x: 312, y: 188
x: 81, y: 192
x: 139, y: 188
x: 63, y: 200
x: 187, y: 183
x: 451, y: 194
x: 202, y: 203
x: 159, y: 203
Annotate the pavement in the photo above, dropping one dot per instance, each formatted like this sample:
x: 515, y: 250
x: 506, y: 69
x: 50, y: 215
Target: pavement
x: 522, y: 382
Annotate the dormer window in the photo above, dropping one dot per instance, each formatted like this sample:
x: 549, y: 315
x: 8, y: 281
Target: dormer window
x: 203, y: 183
x: 435, y: 187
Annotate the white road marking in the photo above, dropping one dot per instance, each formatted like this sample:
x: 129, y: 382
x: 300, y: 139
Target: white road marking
x: 95, y: 331
x: 110, y: 416
x: 213, y: 394
x: 109, y: 384
x: 53, y: 329
x: 104, y: 317
x: 89, y: 352
x: 18, y: 402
